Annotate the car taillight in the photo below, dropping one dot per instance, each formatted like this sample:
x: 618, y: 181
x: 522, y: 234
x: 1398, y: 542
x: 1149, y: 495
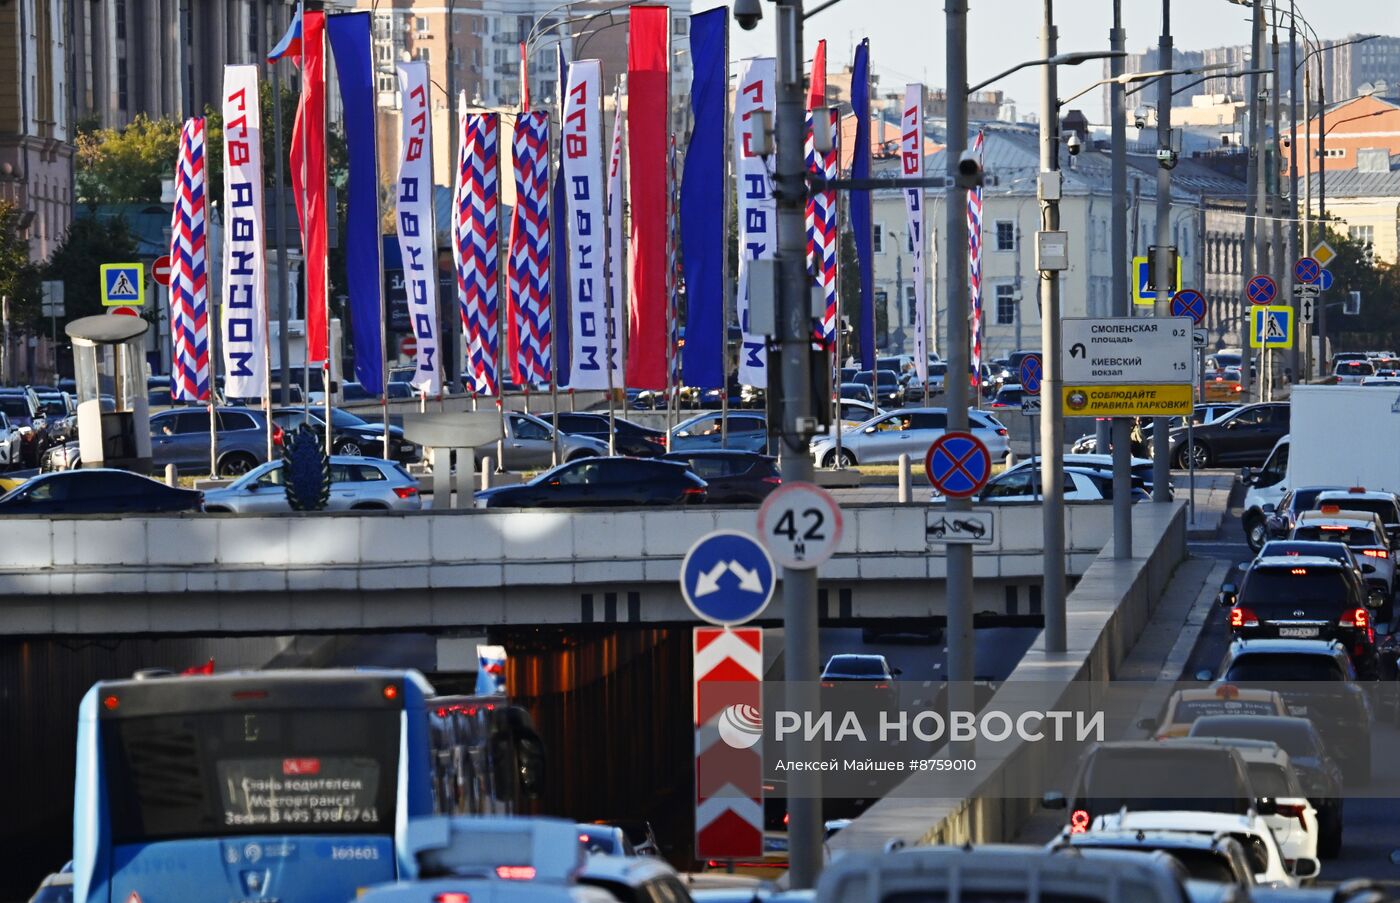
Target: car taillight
x: 278, y: 435
x: 826, y: 684
x: 1001, y: 432
x: 516, y: 872
x: 882, y: 686
x: 1357, y: 617
x: 452, y: 897
x: 692, y: 491
x: 1079, y: 821
x: 1243, y: 617
x: 405, y: 492
x: 1294, y: 810
x: 1375, y: 553
x: 776, y: 481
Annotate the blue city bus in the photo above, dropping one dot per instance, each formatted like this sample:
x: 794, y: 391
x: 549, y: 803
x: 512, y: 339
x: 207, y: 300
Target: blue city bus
x: 280, y: 786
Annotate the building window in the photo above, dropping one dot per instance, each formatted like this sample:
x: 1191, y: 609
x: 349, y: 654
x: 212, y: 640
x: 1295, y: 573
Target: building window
x: 878, y: 246
x: 384, y: 52
x: 254, y: 29
x: 425, y: 54
x: 1006, y: 304
x: 1364, y: 234
x: 1006, y: 235
x: 422, y: 23
x: 1333, y: 152
x: 911, y: 304
x: 121, y: 20
x: 680, y: 26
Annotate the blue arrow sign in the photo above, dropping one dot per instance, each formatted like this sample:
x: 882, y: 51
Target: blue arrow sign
x: 1325, y: 280
x: 1031, y: 372
x: 727, y: 578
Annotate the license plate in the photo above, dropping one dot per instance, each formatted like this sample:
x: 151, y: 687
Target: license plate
x: 1298, y: 711
x: 1298, y: 632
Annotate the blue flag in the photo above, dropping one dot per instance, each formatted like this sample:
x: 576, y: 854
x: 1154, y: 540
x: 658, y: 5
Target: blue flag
x: 702, y: 218
x: 349, y: 36
x: 861, y: 218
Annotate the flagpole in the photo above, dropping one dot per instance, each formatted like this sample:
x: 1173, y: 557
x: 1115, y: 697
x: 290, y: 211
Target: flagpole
x: 383, y: 326
x: 548, y: 223
x: 327, y: 370
x: 305, y: 221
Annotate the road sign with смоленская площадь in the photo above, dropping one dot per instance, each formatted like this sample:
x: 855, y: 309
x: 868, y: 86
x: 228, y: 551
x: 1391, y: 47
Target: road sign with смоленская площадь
x: 1127, y: 366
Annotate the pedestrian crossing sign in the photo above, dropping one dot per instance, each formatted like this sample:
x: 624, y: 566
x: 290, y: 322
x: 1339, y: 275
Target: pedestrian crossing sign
x: 1142, y: 290
x: 1271, y: 326
x: 122, y: 285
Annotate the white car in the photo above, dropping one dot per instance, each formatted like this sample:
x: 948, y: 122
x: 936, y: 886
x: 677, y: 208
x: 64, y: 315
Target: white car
x: 1251, y: 830
x: 10, y: 443
x: 1271, y: 774
x: 1362, y: 531
x: 882, y: 439
x: 357, y: 484
x: 1022, y: 487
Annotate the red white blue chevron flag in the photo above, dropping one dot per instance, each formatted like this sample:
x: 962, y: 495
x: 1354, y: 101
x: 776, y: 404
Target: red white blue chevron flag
x: 189, y: 272
x: 821, y: 220
x: 974, y: 264
x: 528, y: 270
x: 911, y: 146
x: 478, y: 245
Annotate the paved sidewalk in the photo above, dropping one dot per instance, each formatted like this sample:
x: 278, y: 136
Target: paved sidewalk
x: 1212, y: 500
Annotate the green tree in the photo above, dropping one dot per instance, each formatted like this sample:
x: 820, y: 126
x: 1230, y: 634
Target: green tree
x: 19, y: 278
x: 87, y: 245
x: 125, y: 165
x: 1356, y: 269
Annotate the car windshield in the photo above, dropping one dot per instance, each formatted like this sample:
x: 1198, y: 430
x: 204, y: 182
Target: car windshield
x: 1334, y: 550
x: 1267, y: 667
x: 14, y: 406
x: 1298, y: 593
x: 53, y: 405
x: 1352, y: 536
x: 1146, y: 779
x: 1355, y: 368
x: 1269, y: 779
x: 1188, y: 710
x: 855, y: 666
x: 886, y: 378
x: 1293, y: 735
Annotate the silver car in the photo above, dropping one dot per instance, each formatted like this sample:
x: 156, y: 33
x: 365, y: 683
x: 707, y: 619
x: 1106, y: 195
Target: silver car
x: 882, y: 439
x: 357, y: 484
x: 529, y: 443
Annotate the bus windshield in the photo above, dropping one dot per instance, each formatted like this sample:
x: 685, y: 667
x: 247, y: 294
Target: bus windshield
x: 214, y: 774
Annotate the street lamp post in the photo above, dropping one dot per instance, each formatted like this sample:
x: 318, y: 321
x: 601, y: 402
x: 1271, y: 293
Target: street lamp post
x: 1161, y: 440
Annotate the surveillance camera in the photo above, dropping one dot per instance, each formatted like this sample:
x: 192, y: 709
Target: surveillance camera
x: 969, y: 174
x: 1074, y: 144
x: 1166, y: 158
x: 747, y: 13
x: 1140, y: 117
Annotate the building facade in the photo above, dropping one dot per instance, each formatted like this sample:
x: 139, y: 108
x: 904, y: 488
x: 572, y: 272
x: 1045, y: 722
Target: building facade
x: 36, y: 153
x: 1348, y: 69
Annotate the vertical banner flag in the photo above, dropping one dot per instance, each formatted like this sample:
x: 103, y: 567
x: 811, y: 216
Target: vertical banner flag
x: 189, y: 275
x: 821, y: 205
x: 245, y: 265
x: 617, y: 270
x: 703, y: 221
x: 649, y: 105
x: 673, y: 268
x: 911, y: 155
x: 974, y: 265
x: 458, y: 228
x: 349, y: 36
x: 728, y: 668
x: 308, y: 168
x: 582, y: 161
x: 417, y: 235
x: 758, y: 211
x: 528, y: 269
x: 480, y: 247
x: 561, y: 314
x: 862, y: 223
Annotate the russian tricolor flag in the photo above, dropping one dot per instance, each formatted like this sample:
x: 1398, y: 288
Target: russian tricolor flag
x: 290, y: 45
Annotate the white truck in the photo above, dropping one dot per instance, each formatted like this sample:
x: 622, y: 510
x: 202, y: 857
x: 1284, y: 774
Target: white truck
x: 1338, y: 436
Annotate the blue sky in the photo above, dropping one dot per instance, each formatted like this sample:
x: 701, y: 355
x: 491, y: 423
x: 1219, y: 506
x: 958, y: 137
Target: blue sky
x: 907, y: 38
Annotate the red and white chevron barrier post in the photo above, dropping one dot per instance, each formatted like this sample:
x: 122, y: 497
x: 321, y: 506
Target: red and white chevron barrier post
x: 728, y: 742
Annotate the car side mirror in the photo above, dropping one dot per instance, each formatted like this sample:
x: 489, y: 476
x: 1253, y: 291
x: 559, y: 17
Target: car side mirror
x: 1266, y: 806
x: 1246, y: 474
x: 1228, y: 594
x: 896, y: 671
x: 683, y: 434
x: 1204, y: 675
x: 1053, y: 799
x: 1268, y: 508
x: 1147, y: 724
x: 870, y: 429
x: 1305, y: 868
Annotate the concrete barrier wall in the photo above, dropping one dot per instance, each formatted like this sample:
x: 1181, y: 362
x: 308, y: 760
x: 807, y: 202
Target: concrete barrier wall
x: 1107, y: 612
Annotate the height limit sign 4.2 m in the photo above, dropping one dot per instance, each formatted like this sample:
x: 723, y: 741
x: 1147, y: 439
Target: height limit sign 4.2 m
x: 800, y: 525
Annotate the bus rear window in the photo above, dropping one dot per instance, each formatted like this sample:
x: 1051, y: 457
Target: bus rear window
x: 254, y: 772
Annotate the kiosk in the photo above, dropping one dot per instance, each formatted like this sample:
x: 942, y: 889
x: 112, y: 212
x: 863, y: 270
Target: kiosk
x: 109, y: 365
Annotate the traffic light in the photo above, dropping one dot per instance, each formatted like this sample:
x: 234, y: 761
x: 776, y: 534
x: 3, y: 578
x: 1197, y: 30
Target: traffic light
x: 1352, y: 305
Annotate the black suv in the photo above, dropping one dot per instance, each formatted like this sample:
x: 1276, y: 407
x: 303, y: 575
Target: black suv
x: 1306, y: 598
x: 1244, y: 436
